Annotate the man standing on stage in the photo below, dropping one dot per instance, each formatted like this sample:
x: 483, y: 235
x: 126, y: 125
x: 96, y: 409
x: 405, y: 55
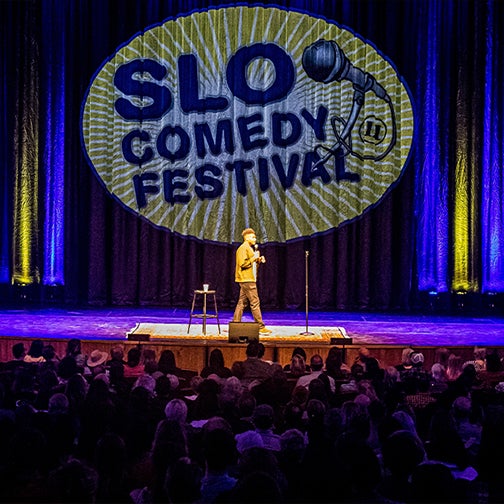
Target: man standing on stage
x: 248, y: 259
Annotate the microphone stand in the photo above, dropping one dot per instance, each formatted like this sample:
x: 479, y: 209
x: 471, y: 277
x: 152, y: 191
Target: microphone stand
x: 306, y: 332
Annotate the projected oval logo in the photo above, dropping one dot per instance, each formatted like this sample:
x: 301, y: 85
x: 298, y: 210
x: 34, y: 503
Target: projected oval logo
x: 247, y: 116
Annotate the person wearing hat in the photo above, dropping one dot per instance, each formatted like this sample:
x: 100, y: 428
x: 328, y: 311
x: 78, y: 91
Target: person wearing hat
x: 96, y: 362
x: 248, y: 259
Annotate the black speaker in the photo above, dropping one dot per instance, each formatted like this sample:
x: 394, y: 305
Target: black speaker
x: 243, y: 332
x: 138, y: 337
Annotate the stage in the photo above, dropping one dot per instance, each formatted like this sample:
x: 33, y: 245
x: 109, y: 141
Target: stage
x: 384, y: 334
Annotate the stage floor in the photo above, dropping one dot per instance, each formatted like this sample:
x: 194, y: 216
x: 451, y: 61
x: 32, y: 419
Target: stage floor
x: 364, y: 328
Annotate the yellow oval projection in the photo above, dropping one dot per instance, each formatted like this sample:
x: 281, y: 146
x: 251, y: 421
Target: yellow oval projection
x: 239, y: 116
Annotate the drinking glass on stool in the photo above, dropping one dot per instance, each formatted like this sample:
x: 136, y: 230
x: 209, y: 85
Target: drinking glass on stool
x: 204, y: 315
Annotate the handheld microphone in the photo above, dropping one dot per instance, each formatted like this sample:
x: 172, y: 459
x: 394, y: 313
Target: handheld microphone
x: 324, y: 61
x: 256, y: 250
x: 261, y: 258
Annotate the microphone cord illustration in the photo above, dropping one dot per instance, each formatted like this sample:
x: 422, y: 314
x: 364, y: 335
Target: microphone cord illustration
x: 324, y: 61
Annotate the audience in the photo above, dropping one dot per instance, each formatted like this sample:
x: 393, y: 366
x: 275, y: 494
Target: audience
x: 97, y: 362
x: 454, y: 367
x: 74, y: 350
x: 242, y: 434
x: 263, y: 418
x: 179, y: 377
x: 34, y: 355
x: 253, y: 368
x: 317, y: 368
x: 134, y: 366
x: 296, y: 351
x: 216, y: 365
x: 18, y: 355
x: 220, y: 456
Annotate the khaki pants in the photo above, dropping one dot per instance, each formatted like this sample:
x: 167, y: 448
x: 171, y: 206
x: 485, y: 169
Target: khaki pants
x: 248, y: 296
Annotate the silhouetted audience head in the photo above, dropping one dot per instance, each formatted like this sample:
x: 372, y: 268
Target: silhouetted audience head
x: 76, y: 389
x: 67, y: 367
x: 58, y: 403
x: 73, y: 481
x: 333, y: 363
x: 176, y: 410
x: 445, y: 443
x: 73, y: 347
x: 259, y: 477
x: 116, y: 372
x: 493, y: 361
x: 247, y: 440
x: 293, y: 445
x: 252, y: 349
x: 36, y: 348
x: 262, y: 350
x: 299, y: 351
x: 216, y: 358
x: 18, y: 350
x: 318, y: 390
x: 146, y: 381
x: 166, y: 362
x: 402, y: 451
x: 117, y: 353
x: 358, y: 468
x: 438, y: 372
x: 170, y: 443
x: 49, y: 352
x: 300, y: 394
x: 111, y: 464
x: 134, y: 357
x: 206, y: 404
x: 406, y: 357
x: 316, y: 362
x: 454, y: 366
x: 441, y: 356
x: 246, y: 404
x: 263, y: 416
x: 163, y: 387
x: 183, y: 481
x: 237, y: 369
x: 219, y: 445
x: 333, y: 424
x: 298, y: 366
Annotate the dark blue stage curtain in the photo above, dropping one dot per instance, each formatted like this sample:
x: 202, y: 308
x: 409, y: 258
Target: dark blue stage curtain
x: 439, y: 229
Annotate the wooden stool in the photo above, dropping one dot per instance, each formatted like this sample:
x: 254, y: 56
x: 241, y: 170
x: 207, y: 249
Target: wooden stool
x: 204, y: 315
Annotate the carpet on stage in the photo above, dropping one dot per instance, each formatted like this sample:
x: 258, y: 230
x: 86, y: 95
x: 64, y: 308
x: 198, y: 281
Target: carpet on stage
x: 279, y: 333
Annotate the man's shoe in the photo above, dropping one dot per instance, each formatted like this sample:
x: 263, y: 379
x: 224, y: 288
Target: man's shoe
x: 265, y: 330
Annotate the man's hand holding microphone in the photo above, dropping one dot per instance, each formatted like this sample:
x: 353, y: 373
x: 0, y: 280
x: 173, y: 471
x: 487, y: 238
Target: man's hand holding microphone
x: 257, y: 256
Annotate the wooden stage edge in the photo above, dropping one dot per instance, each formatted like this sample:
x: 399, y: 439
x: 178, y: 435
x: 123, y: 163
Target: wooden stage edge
x: 192, y: 351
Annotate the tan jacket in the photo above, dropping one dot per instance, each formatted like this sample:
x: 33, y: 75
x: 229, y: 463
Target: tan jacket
x: 245, y: 265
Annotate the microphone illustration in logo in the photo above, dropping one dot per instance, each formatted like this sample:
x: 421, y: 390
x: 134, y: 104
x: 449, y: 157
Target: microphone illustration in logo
x: 324, y: 61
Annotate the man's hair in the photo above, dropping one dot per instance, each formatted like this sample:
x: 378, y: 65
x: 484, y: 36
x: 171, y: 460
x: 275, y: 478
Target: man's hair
x: 261, y: 350
x: 18, y: 350
x: 253, y: 349
x: 247, y: 231
x: 219, y: 444
x: 316, y: 362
